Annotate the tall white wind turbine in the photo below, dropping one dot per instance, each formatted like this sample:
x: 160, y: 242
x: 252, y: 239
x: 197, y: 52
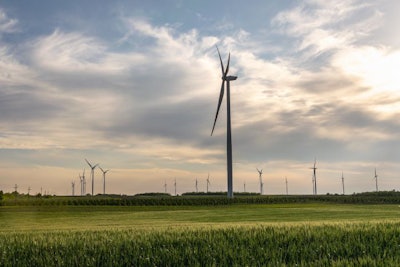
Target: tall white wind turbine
x: 228, y: 79
x: 92, y: 173
x: 104, y: 179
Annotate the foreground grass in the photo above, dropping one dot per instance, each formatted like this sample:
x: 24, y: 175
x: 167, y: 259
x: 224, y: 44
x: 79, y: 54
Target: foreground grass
x: 345, y: 244
x: 236, y: 235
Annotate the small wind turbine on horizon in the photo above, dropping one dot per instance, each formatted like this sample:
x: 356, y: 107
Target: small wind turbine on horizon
x: 287, y: 189
x: 208, y: 182
x: 175, y: 186
x: 197, y: 188
x: 165, y: 186
x: 82, y: 182
x: 104, y: 179
x: 343, y: 183
x: 244, y: 187
x: 376, y: 180
x: 92, y: 173
x: 314, y: 178
x: 73, y: 188
x: 228, y: 79
x: 260, y: 172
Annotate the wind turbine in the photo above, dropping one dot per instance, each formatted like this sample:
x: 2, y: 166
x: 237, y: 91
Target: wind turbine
x: 175, y: 186
x: 343, y: 183
x: 165, y: 186
x: 314, y: 179
x: 84, y: 182
x: 244, y: 187
x: 73, y: 188
x: 287, y: 190
x: 92, y: 173
x: 208, y: 182
x: 104, y: 179
x: 228, y: 79
x: 260, y: 172
x: 376, y: 181
x: 197, y: 188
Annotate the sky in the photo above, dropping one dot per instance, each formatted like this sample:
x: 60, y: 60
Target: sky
x: 134, y: 86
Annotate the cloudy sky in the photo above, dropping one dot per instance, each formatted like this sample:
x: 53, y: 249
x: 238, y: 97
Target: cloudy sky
x: 134, y: 85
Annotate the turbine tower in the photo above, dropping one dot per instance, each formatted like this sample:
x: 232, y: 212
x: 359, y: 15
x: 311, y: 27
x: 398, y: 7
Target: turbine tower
x: 197, y: 188
x: 228, y: 79
x: 343, y: 183
x: 376, y: 181
x: 73, y: 188
x: 314, y: 178
x: 208, y: 182
x: 104, y: 179
x: 175, y: 186
x: 260, y: 172
x: 92, y: 173
x: 287, y: 189
x: 165, y: 186
x: 83, y: 183
x: 244, y: 187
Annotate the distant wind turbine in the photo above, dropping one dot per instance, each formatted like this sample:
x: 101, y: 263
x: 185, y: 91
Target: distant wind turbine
x: 84, y: 182
x: 244, y: 187
x: 314, y: 178
x: 208, y: 182
x: 29, y: 190
x: 165, y: 186
x: 287, y: 189
x: 343, y: 183
x: 175, y: 186
x: 73, y: 188
x: 92, y: 173
x: 197, y: 188
x: 376, y: 181
x: 104, y: 179
x: 228, y: 79
x: 260, y: 172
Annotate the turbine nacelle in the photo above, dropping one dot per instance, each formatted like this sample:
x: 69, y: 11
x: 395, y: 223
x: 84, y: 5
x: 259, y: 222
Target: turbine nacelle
x: 230, y: 78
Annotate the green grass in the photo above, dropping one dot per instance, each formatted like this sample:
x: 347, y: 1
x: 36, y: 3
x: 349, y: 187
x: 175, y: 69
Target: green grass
x: 234, y: 235
x: 49, y: 218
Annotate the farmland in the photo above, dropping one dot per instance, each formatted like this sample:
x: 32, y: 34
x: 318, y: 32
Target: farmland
x: 238, y: 234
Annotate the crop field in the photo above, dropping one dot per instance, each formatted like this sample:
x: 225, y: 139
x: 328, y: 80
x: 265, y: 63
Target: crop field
x: 311, y: 234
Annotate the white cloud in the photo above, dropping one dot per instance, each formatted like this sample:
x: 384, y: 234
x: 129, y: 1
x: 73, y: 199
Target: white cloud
x: 7, y: 25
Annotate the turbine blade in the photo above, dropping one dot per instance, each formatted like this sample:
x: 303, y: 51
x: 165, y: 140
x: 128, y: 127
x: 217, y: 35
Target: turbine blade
x: 220, y: 60
x: 88, y: 163
x: 227, y: 66
x: 221, y: 96
x: 101, y: 169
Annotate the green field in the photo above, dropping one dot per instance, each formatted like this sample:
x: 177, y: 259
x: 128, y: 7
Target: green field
x: 234, y: 235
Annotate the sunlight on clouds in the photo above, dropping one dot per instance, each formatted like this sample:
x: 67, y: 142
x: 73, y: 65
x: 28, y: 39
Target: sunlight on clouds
x: 377, y: 69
